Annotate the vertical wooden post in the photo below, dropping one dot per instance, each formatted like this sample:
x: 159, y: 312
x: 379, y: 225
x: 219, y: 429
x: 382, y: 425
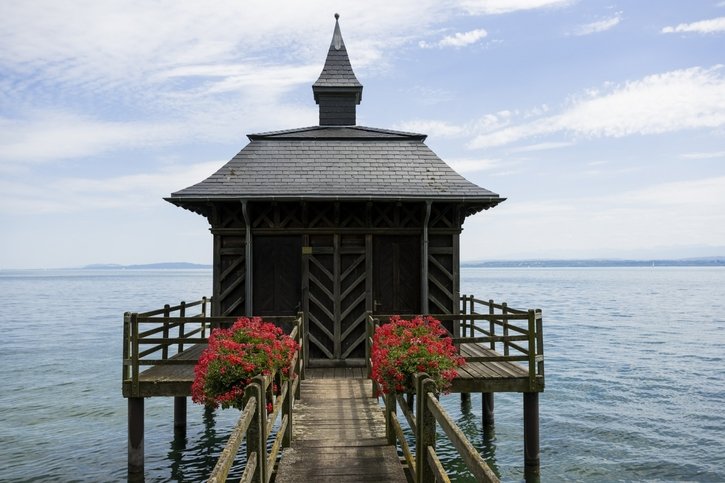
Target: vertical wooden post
x: 472, y: 311
x: 391, y: 408
x: 249, y: 270
x: 182, y: 313
x: 255, y: 434
x: 424, y: 261
x: 165, y: 349
x: 203, y: 316
x: 504, y: 311
x: 301, y: 341
x: 287, y: 408
x: 539, y: 343
x: 425, y: 428
x: 179, y: 416
x: 487, y: 408
x: 532, y: 349
x: 135, y: 436
x: 531, y: 433
x: 368, y: 346
x: 491, y: 312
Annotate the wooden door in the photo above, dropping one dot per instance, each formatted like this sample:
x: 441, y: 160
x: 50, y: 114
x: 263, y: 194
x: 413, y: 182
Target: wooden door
x: 337, y: 296
x: 277, y: 287
x: 396, y: 279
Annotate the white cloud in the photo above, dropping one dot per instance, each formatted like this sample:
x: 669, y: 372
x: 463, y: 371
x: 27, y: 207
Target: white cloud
x: 492, y: 7
x: 703, y: 27
x: 457, y: 40
x: 439, y: 129
x: 673, y: 101
x: 542, y: 146
x: 704, y: 155
x: 50, y: 135
x: 71, y: 195
x: 473, y: 165
x: 677, y: 213
x: 599, y: 26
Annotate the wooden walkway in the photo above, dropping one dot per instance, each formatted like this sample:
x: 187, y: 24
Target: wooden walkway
x: 338, y: 434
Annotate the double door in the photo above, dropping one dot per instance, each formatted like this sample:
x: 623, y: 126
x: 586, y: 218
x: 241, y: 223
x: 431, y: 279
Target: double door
x: 336, y: 279
x: 345, y: 276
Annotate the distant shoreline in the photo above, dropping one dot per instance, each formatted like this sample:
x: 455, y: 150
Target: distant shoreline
x: 595, y: 263
x: 149, y: 266
x: 526, y: 263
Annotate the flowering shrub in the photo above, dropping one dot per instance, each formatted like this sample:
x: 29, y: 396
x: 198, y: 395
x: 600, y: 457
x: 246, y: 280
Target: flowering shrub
x: 402, y: 348
x: 234, y: 356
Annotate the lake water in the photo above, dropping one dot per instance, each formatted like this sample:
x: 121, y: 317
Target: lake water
x: 635, y: 380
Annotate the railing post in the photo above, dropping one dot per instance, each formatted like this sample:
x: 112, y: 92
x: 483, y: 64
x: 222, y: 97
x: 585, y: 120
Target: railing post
x: 126, y: 345
x: 504, y: 312
x: 425, y: 428
x: 165, y: 349
x: 491, y: 312
x: 532, y: 349
x: 182, y: 313
x: 391, y: 407
x: 299, y: 370
x: 256, y: 443
x: 368, y: 343
x: 203, y: 316
x: 134, y: 355
x: 471, y: 310
x: 540, y: 342
x: 287, y: 408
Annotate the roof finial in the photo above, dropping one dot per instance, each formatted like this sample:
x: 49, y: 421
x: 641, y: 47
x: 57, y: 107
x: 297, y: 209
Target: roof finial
x: 337, y: 36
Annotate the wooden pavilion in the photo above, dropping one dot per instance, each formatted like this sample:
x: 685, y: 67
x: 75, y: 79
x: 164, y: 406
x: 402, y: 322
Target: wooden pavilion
x: 325, y: 229
x: 336, y: 220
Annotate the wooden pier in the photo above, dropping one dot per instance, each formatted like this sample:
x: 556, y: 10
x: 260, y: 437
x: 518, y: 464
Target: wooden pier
x: 339, y: 433
x: 331, y: 428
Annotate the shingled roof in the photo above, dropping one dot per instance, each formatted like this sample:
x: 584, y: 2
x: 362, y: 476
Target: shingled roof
x: 335, y: 162
x: 337, y: 71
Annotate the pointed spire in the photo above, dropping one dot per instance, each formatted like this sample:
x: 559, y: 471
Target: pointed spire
x: 337, y: 90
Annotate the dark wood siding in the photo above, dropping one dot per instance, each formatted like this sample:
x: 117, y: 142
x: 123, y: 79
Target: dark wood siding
x: 277, y: 275
x: 396, y: 268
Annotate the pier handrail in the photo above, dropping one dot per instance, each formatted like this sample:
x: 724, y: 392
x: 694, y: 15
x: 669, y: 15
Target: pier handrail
x: 521, y: 334
x: 424, y: 465
x: 255, y: 425
x: 160, y: 337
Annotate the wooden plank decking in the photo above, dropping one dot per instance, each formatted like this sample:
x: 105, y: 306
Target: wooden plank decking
x: 491, y: 376
x: 339, y: 433
x: 168, y: 380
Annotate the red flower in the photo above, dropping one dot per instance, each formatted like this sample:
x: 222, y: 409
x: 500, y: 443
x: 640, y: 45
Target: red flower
x: 234, y: 356
x: 402, y: 348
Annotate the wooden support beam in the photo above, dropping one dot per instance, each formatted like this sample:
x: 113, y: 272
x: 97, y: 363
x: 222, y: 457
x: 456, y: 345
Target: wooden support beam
x: 135, y: 437
x: 531, y: 434
x: 487, y: 408
x: 179, y: 416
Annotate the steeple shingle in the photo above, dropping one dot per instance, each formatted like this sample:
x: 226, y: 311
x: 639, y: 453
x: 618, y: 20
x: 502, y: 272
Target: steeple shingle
x: 337, y: 90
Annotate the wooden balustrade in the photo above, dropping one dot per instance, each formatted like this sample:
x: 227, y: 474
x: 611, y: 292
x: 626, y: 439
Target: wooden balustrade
x: 255, y: 425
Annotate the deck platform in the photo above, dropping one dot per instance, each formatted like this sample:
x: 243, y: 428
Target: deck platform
x: 167, y: 379
x: 339, y: 433
x: 486, y: 377
x: 175, y: 380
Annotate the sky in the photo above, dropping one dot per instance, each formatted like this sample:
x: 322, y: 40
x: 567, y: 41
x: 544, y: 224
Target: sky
x: 601, y: 122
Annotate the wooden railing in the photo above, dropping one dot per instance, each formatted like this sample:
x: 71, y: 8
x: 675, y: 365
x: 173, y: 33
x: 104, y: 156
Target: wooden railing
x: 160, y: 337
x: 520, y: 332
x: 424, y: 465
x: 255, y: 425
